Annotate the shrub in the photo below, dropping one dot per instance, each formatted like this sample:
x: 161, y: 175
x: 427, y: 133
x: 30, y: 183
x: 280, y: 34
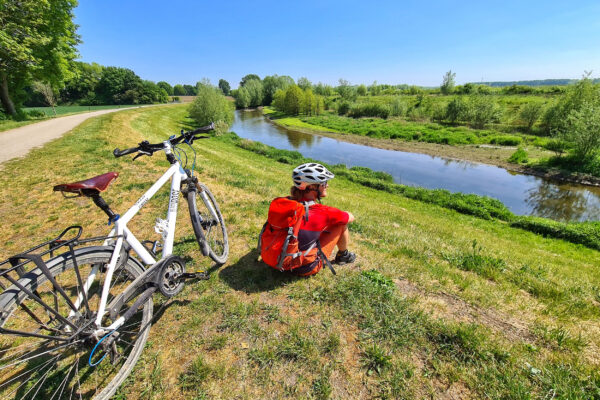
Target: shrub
x: 35, y: 114
x: 457, y: 110
x: 556, y: 117
x: 506, y: 140
x: 398, y: 107
x: 482, y: 110
x: 211, y: 106
x: 557, y: 146
x: 369, y: 110
x: 530, y: 113
x: 586, y: 233
x: 343, y: 107
x: 583, y: 131
x: 518, y: 157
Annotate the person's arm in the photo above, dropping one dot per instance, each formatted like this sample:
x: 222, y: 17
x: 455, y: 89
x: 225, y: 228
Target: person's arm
x: 350, y: 216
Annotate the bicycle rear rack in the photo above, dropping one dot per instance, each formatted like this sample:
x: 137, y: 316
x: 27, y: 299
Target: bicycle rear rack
x: 17, y: 264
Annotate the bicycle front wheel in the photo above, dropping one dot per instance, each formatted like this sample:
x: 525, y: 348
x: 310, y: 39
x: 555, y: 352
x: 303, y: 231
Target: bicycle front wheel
x: 208, y: 223
x: 47, y: 341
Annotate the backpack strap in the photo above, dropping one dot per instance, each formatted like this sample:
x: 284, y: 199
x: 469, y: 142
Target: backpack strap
x: 260, y: 235
x: 324, y: 257
x: 285, y: 246
x: 307, y: 204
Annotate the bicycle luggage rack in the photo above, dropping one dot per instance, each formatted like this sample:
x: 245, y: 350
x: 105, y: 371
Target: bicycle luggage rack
x: 19, y: 261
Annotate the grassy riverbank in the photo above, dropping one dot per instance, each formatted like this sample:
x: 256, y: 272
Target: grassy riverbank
x: 438, y: 304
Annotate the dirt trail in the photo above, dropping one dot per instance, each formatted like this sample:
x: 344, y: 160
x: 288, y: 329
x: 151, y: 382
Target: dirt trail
x: 19, y: 141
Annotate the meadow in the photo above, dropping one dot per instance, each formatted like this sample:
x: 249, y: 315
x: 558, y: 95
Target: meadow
x: 439, y: 303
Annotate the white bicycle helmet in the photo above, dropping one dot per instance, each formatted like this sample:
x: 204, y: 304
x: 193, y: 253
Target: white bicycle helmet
x: 310, y: 173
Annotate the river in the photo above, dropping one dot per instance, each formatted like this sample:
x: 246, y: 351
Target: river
x: 522, y: 194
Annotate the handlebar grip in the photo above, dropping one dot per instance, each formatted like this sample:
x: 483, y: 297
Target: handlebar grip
x: 121, y: 153
x: 203, y: 129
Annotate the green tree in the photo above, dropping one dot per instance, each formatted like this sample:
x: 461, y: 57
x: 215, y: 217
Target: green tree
x: 303, y: 83
x: 118, y: 86
x: 584, y: 91
x: 361, y: 90
x: 255, y: 90
x: 211, y: 106
x: 279, y: 100
x: 346, y: 91
x: 374, y: 89
x: 447, y: 85
x: 81, y: 86
x: 273, y: 83
x: 37, y: 41
x: 178, y: 90
x: 190, y: 90
x: 457, y: 110
x: 482, y: 110
x: 294, y: 98
x: 309, y: 102
x: 242, y: 97
x: 248, y: 78
x: 224, y: 86
x: 583, y: 131
x: 530, y: 113
x: 165, y: 85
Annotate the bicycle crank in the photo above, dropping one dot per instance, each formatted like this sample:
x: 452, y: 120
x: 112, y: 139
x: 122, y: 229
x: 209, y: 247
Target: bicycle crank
x: 169, y: 277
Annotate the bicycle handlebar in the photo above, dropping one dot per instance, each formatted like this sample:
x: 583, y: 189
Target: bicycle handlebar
x: 148, y: 148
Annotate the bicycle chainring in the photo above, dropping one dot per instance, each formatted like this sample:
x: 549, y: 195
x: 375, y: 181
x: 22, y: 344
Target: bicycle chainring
x: 170, y: 278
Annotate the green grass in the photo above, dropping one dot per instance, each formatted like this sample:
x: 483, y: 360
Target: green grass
x: 61, y: 110
x: 422, y: 313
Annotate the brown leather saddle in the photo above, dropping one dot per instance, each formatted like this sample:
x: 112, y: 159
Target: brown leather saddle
x: 88, y: 187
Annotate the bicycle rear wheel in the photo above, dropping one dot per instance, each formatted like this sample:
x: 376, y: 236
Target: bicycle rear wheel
x: 208, y: 223
x: 45, y: 347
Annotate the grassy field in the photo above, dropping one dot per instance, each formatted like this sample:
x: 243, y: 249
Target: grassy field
x: 439, y: 304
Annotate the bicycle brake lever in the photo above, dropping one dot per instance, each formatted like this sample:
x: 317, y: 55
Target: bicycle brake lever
x: 142, y: 153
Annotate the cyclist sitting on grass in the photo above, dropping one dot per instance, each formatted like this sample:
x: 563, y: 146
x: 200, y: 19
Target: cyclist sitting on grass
x: 327, y: 224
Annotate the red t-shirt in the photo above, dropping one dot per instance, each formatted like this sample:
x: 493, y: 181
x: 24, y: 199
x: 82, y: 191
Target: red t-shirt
x: 319, y: 218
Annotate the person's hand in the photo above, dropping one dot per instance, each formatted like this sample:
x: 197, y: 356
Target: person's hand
x: 350, y: 217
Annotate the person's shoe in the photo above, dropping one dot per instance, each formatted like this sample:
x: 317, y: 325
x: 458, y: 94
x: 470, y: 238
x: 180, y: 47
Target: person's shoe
x: 344, y: 257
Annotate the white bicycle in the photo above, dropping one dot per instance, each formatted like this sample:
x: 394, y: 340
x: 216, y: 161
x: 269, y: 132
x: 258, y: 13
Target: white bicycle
x: 62, y: 315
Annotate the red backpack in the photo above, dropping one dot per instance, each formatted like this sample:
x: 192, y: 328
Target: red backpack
x: 278, y: 239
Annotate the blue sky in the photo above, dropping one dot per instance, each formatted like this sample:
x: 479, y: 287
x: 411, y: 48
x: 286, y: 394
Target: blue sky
x: 392, y: 42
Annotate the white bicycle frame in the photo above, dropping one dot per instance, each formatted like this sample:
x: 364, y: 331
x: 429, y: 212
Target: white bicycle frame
x: 176, y: 174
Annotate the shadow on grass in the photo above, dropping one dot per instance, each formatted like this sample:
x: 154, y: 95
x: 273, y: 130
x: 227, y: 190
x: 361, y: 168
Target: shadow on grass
x: 251, y: 276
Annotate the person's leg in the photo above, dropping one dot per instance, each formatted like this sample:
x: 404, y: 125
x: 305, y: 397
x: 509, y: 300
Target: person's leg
x: 337, y: 235
x: 334, y: 235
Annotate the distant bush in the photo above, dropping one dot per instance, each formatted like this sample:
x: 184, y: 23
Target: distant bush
x: 343, y: 107
x: 482, y: 110
x: 369, y: 110
x: 35, y: 114
x: 557, y: 146
x: 211, y: 106
x: 398, y: 107
x: 530, y: 113
x: 506, y: 140
x: 586, y: 233
x: 457, y: 110
x: 518, y: 157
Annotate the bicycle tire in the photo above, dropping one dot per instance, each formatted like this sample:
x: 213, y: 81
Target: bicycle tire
x: 33, y: 367
x: 203, y: 223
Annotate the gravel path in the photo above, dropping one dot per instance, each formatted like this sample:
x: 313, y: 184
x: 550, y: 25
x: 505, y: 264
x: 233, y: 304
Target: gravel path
x: 19, y: 141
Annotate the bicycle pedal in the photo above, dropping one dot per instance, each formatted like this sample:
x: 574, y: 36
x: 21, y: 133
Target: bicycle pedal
x: 202, y: 275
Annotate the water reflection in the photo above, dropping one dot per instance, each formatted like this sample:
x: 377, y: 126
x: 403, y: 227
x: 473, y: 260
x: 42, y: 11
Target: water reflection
x: 562, y: 202
x: 522, y: 194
